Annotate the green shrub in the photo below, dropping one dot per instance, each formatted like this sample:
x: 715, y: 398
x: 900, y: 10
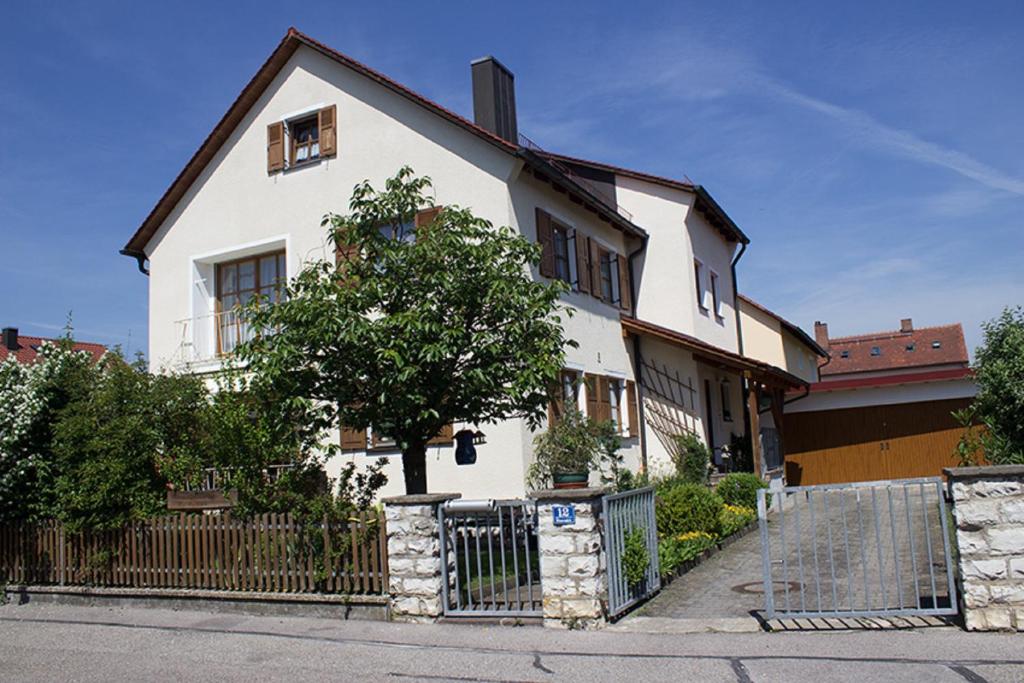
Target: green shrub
x: 740, y: 488
x: 635, y: 558
x: 674, y: 551
x: 686, y: 508
x: 734, y: 518
x: 693, y: 461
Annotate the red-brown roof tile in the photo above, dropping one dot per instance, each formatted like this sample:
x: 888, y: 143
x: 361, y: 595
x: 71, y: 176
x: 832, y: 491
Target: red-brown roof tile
x: 28, y: 349
x: 897, y: 350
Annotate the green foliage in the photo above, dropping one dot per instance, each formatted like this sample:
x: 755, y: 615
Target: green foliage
x: 635, y: 558
x: 674, y: 551
x: 734, y: 518
x: 573, y: 444
x: 999, y: 403
x: 693, y: 461
x: 417, y: 328
x: 740, y: 488
x: 686, y: 507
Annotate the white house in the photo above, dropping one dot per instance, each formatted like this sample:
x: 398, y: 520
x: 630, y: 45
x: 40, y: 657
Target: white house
x: 650, y: 260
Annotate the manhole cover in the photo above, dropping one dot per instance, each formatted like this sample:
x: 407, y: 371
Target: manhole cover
x: 757, y: 587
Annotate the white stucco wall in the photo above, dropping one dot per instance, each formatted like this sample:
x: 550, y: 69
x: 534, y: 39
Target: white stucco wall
x: 235, y: 208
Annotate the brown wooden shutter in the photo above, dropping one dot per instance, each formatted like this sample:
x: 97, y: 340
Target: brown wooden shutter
x: 591, y: 383
x: 582, y: 263
x: 443, y: 437
x: 556, y: 407
x: 546, y: 241
x: 275, y: 147
x: 604, y: 406
x: 595, y: 268
x: 353, y: 439
x: 328, y: 126
x: 425, y: 217
x: 625, y: 296
x: 631, y: 408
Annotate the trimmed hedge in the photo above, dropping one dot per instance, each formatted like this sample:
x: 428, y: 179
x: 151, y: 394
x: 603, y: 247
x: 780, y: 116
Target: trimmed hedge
x: 740, y: 489
x: 687, y: 508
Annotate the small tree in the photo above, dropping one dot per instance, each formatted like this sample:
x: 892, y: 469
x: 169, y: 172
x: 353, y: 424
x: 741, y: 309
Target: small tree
x: 999, y: 403
x: 426, y: 319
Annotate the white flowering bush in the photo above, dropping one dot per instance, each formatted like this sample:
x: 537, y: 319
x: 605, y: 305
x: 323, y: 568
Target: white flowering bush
x: 31, y: 395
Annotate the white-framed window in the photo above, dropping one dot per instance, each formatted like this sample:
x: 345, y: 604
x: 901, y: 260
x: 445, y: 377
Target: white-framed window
x: 303, y: 139
x: 716, y: 295
x: 615, y: 388
x: 701, y: 290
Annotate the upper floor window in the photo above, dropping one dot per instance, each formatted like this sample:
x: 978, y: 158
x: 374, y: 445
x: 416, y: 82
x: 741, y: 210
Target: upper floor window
x: 698, y: 278
x: 560, y: 245
x: 608, y: 274
x: 302, y: 139
x: 716, y: 301
x: 305, y: 139
x: 238, y: 282
x: 565, y: 395
x: 615, y: 403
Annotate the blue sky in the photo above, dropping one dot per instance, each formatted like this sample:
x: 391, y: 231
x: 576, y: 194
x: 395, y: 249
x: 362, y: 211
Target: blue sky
x: 872, y: 153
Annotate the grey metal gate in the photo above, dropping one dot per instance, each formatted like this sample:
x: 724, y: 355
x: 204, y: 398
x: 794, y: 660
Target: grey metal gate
x: 623, y: 514
x: 878, y: 548
x: 489, y: 558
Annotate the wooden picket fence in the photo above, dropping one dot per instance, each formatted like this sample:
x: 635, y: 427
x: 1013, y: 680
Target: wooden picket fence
x: 196, y: 551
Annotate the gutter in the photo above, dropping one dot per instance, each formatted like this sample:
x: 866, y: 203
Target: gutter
x: 637, y: 357
x: 140, y: 258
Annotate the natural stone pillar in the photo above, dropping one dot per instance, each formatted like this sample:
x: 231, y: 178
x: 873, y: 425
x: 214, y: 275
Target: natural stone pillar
x: 573, y: 579
x: 988, y: 503
x: 414, y: 556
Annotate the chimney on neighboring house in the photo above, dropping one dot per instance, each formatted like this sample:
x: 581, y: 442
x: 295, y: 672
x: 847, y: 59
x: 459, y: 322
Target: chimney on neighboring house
x: 494, y: 98
x: 907, y: 325
x: 821, y: 334
x: 10, y: 338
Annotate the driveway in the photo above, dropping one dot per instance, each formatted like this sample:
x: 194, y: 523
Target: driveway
x: 48, y: 643
x: 854, y: 549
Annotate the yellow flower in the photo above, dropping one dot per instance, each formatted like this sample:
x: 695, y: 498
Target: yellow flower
x: 693, y: 536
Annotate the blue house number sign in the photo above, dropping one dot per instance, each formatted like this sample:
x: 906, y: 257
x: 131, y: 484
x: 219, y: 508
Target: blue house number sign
x: 564, y: 515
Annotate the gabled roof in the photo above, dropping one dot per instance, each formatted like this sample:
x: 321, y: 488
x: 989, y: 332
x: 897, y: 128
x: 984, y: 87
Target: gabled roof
x: 705, y: 203
x: 793, y: 329
x: 28, y: 349
x: 895, y: 352
x: 259, y: 83
x: 711, y: 353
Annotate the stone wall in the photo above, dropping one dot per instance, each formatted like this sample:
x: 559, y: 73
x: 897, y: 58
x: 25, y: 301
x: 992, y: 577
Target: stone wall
x: 414, y: 556
x: 988, y: 504
x: 572, y: 565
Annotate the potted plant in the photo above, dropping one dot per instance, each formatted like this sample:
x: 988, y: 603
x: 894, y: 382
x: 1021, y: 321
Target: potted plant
x: 566, y: 453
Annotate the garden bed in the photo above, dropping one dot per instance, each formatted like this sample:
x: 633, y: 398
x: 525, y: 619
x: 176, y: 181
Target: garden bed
x: 721, y: 544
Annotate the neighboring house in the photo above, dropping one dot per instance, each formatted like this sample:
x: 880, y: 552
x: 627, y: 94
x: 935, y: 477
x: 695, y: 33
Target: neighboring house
x: 769, y: 337
x: 882, y: 409
x: 649, y: 259
x: 24, y: 349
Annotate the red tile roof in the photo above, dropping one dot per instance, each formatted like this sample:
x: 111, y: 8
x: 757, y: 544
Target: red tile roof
x: 28, y: 349
x: 897, y: 350
x: 889, y: 380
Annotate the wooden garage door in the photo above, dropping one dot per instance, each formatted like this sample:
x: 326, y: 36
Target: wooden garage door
x: 874, y: 442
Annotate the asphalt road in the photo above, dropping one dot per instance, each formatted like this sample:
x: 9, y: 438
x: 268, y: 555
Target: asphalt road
x: 52, y: 643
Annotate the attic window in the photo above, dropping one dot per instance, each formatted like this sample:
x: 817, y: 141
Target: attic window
x: 844, y: 354
x: 936, y: 345
x: 910, y: 346
x: 305, y: 139
x: 876, y: 351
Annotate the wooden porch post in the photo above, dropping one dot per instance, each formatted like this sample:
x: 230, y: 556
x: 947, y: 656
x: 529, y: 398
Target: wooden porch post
x: 755, y: 424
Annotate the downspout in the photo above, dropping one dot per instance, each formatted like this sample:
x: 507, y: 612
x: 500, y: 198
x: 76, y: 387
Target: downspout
x: 637, y: 358
x: 807, y: 389
x: 140, y: 258
x: 744, y: 382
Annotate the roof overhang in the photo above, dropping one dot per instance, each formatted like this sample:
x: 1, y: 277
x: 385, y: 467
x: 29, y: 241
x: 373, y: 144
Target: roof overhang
x: 878, y: 381
x: 714, y: 355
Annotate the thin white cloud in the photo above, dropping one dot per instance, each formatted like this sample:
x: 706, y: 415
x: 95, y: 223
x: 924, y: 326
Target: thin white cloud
x: 902, y: 142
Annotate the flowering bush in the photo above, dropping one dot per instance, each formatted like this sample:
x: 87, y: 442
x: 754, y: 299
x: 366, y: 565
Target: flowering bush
x: 674, y: 551
x: 733, y: 518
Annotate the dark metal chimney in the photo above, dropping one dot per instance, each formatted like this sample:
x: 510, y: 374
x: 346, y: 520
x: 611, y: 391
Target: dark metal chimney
x: 10, y: 338
x: 494, y: 98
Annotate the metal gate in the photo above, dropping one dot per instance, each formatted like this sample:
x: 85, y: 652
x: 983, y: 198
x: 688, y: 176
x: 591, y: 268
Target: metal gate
x: 624, y: 514
x: 489, y: 558
x: 869, y: 549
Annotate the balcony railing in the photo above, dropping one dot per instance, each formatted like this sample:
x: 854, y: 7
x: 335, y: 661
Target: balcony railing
x: 211, y: 337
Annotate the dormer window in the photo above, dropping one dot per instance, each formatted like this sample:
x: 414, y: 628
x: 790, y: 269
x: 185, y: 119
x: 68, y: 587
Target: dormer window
x: 844, y: 354
x: 911, y: 346
x: 876, y: 351
x: 936, y: 345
